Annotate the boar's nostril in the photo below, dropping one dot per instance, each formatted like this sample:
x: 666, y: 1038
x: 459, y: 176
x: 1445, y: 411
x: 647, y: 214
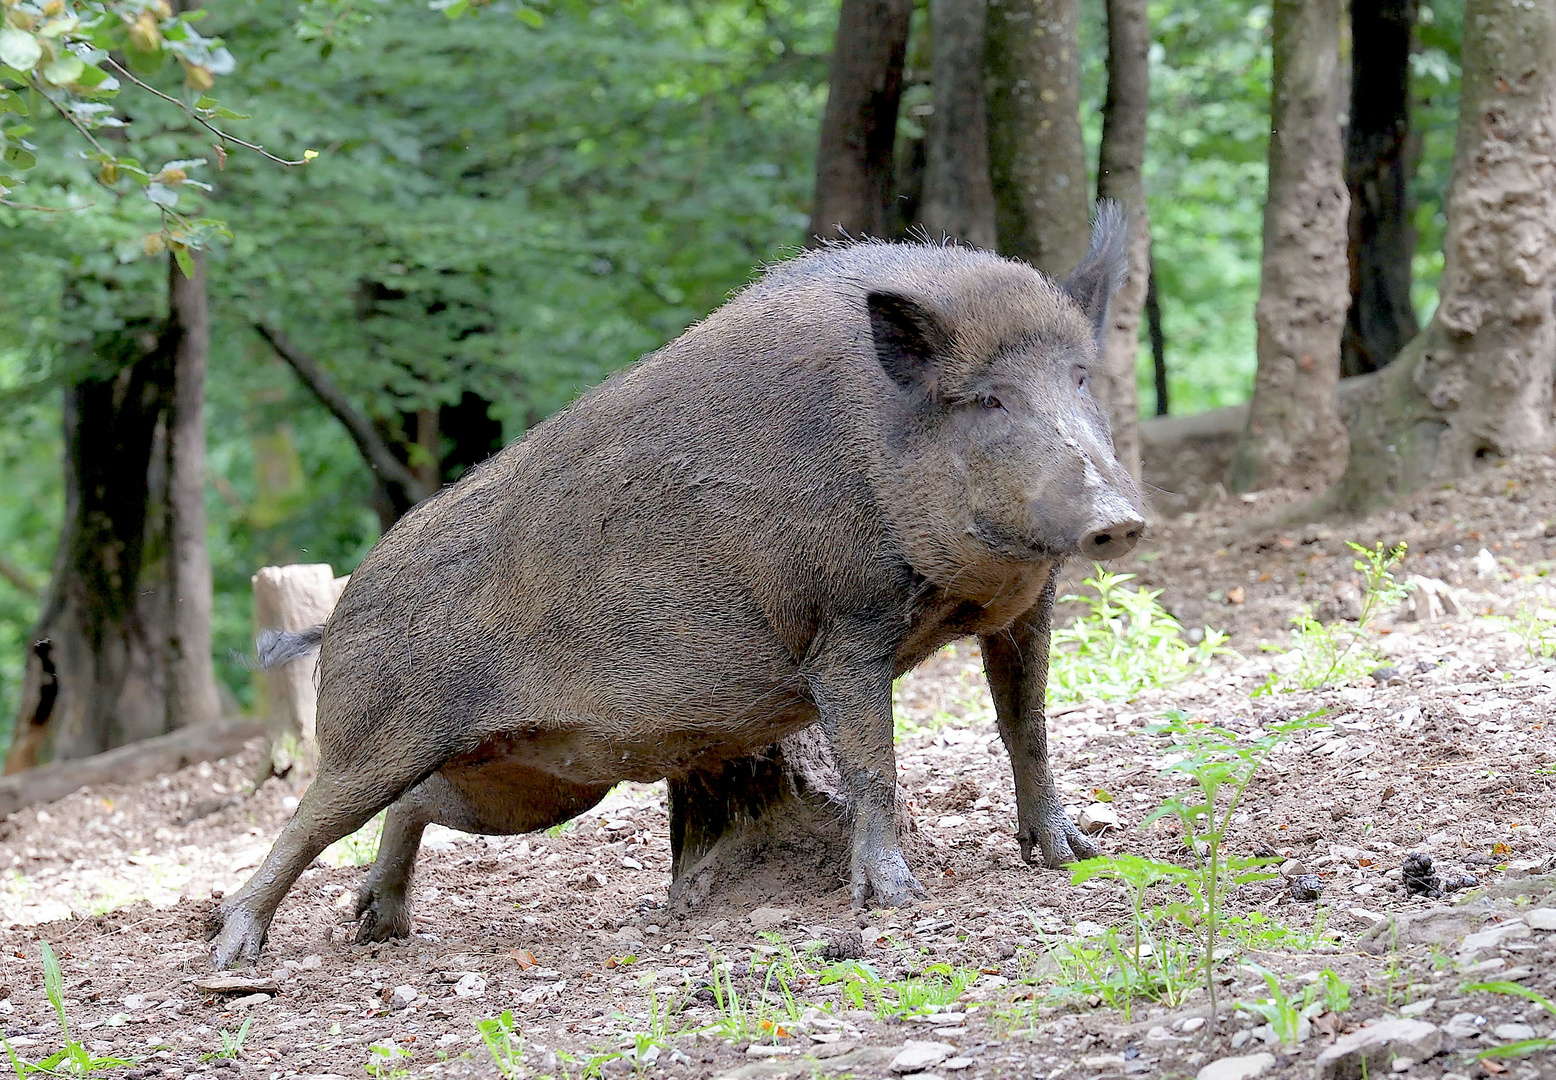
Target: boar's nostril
x: 1112, y: 540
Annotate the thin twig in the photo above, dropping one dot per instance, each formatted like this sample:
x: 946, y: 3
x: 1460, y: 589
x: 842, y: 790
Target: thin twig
x: 85, y: 134
x: 185, y: 106
x: 46, y: 209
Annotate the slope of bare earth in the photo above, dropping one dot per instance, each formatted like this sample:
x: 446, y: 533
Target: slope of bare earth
x: 1452, y: 754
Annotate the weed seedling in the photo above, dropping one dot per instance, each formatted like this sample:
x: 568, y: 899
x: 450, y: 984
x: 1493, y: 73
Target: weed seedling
x: 1338, y: 652
x: 386, y: 1061
x: 503, y: 1042
x: 1519, y: 1047
x: 232, y: 1042
x: 71, y: 1059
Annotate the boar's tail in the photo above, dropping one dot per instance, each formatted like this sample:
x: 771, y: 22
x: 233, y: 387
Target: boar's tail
x: 277, y: 647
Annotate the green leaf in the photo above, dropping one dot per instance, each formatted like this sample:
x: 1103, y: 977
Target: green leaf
x: 19, y: 49
x: 228, y: 114
x: 21, y: 159
x: 186, y: 264
x: 64, y: 69
x: 529, y: 17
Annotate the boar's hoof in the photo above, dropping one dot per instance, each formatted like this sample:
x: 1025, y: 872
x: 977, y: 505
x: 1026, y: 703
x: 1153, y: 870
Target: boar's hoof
x: 885, y: 875
x: 381, y: 914
x: 238, y: 936
x: 1056, y: 843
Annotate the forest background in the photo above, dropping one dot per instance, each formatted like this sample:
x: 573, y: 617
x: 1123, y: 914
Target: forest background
x: 504, y: 209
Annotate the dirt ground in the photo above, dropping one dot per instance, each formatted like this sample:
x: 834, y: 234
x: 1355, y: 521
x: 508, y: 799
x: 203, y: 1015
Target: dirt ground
x: 1451, y: 753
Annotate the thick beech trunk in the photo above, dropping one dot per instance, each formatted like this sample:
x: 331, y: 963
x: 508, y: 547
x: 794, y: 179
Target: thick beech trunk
x: 123, y: 645
x: 1382, y: 242
x: 1476, y: 383
x: 1121, y: 177
x: 854, y: 175
x: 1036, y: 155
x: 958, y: 194
x: 1295, y: 437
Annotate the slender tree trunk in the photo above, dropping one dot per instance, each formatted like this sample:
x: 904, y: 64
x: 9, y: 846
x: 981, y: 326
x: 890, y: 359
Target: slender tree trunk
x: 958, y: 194
x: 854, y: 175
x: 1382, y: 241
x: 1121, y: 177
x: 122, y: 649
x: 1294, y: 436
x: 1476, y: 383
x: 1036, y: 154
x: 192, y: 696
x: 1153, y: 325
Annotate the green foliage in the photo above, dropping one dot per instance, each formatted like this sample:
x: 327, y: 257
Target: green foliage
x: 1534, y: 627
x: 1519, y: 1047
x: 1285, y: 1013
x: 232, y: 1042
x: 1126, y: 643
x: 359, y: 848
x: 387, y: 1061
x: 73, y: 1058
x: 931, y: 991
x: 504, y: 1042
x: 1340, y: 652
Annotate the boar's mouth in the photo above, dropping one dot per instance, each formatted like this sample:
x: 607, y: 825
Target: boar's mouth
x: 1010, y: 544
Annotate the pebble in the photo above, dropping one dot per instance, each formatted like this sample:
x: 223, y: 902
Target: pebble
x: 1416, y: 1008
x: 917, y: 1056
x: 1543, y: 918
x: 1513, y: 1032
x: 1369, y: 1051
x: 956, y: 1064
x: 1098, y: 817
x: 1192, y: 1024
x: 951, y: 821
x: 1464, y: 1025
x: 767, y: 1050
x: 1237, y: 1068
x: 470, y: 985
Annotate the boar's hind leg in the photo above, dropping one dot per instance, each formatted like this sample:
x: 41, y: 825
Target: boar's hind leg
x: 333, y: 806
x: 850, y: 682
x: 1016, y: 663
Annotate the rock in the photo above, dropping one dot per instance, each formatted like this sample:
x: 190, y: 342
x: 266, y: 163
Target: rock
x: 1429, y: 599
x: 1484, y: 562
x: 1370, y: 1051
x: 917, y: 1056
x: 765, y: 918
x: 1291, y: 868
x: 470, y: 985
x: 1513, y: 1032
x: 1492, y: 936
x: 1365, y: 917
x: 1192, y: 1024
x: 951, y: 821
x: 956, y: 1064
x: 1237, y: 1068
x: 767, y: 1050
x: 403, y: 995
x: 1098, y: 817
x: 1464, y: 1025
x: 1159, y: 1034
x: 1416, y: 1008
x: 1541, y: 918
x: 249, y: 1001
x: 236, y: 984
x: 1103, y: 1061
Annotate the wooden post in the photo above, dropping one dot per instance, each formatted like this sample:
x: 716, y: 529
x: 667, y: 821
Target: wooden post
x: 292, y: 598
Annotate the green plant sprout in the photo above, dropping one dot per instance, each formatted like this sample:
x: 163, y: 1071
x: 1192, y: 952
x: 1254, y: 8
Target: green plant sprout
x: 386, y: 1061
x: 1285, y: 1014
x: 1519, y: 1047
x: 1340, y: 652
x: 504, y: 1042
x: 71, y: 1059
x: 232, y: 1042
x: 1535, y: 627
x: 1124, y: 644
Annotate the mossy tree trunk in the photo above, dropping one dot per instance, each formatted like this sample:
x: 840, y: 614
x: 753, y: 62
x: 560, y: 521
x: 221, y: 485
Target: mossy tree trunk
x: 958, y: 194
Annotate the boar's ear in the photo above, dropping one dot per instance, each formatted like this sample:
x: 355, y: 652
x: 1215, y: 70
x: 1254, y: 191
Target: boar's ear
x: 1104, y: 267
x: 910, y: 340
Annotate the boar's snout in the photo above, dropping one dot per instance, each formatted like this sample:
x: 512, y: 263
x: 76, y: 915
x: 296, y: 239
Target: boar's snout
x: 1116, y: 535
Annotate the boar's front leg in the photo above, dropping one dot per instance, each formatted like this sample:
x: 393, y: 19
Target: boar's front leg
x: 850, y: 683
x: 1015, y: 660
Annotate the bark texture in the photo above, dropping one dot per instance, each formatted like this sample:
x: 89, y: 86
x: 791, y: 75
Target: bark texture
x: 122, y: 648
x: 1476, y: 383
x: 854, y: 175
x: 1377, y: 173
x: 1153, y: 324
x: 1121, y: 177
x: 958, y: 194
x: 1036, y: 154
x: 1295, y: 437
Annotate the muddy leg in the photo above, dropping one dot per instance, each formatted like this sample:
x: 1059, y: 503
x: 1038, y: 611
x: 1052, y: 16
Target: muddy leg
x: 1016, y: 663
x: 850, y: 682
x: 332, y: 807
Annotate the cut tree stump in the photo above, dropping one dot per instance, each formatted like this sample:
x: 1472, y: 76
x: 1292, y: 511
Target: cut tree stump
x: 292, y: 598
x: 126, y: 764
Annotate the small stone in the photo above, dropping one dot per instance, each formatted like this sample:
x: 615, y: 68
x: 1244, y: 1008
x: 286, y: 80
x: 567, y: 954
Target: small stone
x: 956, y: 1064
x: 1403, y: 1064
x: 765, y: 918
x: 1305, y: 888
x: 250, y: 1001
x: 1541, y: 918
x: 767, y: 1050
x: 1159, y: 1034
x: 951, y: 821
x: 1416, y: 1008
x: 1492, y: 936
x: 470, y: 985
x: 1513, y: 1032
x: 1098, y: 817
x: 917, y: 1056
x: 1103, y: 1061
x: 403, y: 995
x: 1464, y: 1025
x: 1237, y: 1068
x: 1292, y: 868
x: 1192, y: 1024
x: 1369, y: 1051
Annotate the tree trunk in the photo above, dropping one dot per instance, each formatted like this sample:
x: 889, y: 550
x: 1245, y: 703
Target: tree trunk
x: 1036, y: 155
x: 1476, y: 383
x: 122, y: 649
x: 1382, y: 242
x: 1121, y: 177
x: 958, y: 194
x: 1294, y: 436
x: 191, y: 684
x: 854, y: 175
x: 1153, y: 325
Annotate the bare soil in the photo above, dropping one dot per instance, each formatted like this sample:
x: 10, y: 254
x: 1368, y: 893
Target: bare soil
x: 1453, y: 754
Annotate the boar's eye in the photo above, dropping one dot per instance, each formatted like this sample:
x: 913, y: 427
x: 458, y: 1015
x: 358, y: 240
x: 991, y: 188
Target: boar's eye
x: 989, y: 401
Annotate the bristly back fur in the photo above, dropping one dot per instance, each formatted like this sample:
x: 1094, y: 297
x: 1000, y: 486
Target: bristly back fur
x: 277, y: 647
